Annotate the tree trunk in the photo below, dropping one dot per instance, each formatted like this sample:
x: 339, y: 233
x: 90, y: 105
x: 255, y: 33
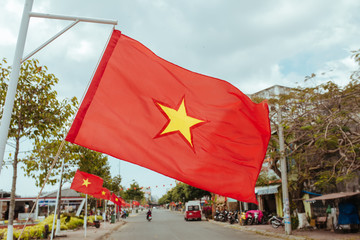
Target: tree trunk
x: 13, y: 191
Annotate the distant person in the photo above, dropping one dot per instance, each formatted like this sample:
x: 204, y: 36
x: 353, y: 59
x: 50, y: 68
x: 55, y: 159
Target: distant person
x: 148, y: 214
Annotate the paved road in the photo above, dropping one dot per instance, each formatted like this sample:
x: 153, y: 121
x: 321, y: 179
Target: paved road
x: 167, y: 225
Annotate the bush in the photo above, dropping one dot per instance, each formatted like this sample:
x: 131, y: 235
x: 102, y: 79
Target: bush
x: 92, y: 218
x: 3, y: 233
x: 294, y: 222
x: 36, y: 232
x: 75, y: 223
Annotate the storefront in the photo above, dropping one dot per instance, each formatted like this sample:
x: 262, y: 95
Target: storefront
x: 71, y: 201
x: 269, y: 199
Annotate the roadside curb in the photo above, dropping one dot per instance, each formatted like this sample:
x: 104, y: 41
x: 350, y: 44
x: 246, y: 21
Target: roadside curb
x: 259, y: 231
x: 92, y: 233
x: 115, y: 228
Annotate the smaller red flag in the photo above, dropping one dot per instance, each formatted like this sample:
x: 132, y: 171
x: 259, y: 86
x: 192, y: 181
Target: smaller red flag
x: 115, y: 199
x: 103, y: 194
x: 86, y: 183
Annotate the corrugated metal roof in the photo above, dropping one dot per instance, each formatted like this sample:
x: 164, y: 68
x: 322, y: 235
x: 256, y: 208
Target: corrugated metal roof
x: 64, y: 193
x: 333, y: 196
x: 267, y: 190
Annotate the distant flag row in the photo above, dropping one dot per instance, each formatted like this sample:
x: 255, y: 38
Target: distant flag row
x: 93, y: 185
x: 147, y: 188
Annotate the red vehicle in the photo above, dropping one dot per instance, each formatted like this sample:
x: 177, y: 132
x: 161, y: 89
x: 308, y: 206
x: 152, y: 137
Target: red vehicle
x: 192, y: 211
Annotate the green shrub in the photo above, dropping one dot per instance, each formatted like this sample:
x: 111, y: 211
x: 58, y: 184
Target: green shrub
x: 36, y: 231
x: 3, y: 233
x: 92, y: 218
x: 75, y: 223
x: 294, y: 222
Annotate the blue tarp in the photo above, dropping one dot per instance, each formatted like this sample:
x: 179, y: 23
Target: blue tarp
x: 311, y: 193
x: 348, y: 214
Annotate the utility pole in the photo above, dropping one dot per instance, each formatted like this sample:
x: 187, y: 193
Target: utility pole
x: 284, y: 180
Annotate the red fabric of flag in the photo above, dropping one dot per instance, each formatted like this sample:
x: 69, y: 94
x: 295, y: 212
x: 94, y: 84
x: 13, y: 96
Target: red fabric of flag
x: 104, y: 193
x: 197, y: 129
x: 86, y: 183
x: 115, y: 199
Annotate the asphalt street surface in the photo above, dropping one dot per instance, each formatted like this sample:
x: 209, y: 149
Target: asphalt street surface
x: 171, y: 225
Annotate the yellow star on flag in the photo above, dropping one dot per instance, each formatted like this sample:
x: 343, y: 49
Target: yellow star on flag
x: 116, y: 199
x: 86, y: 182
x: 103, y: 193
x: 179, y: 121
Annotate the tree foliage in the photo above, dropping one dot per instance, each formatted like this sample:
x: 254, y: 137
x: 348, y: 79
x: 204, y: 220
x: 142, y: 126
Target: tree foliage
x: 322, y: 135
x: 37, y: 112
x: 183, y: 193
x: 134, y: 192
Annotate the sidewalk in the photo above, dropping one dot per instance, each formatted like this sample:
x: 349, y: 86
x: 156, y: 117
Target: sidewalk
x: 101, y: 233
x: 268, y: 230
x: 92, y: 232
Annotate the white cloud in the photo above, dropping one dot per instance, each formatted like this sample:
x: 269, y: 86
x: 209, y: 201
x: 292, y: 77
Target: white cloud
x: 14, y: 7
x: 7, y: 37
x: 80, y: 51
x: 338, y: 71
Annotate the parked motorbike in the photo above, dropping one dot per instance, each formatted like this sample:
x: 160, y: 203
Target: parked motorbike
x: 256, y: 218
x: 216, y: 216
x: 249, y: 220
x: 223, y: 216
x: 233, y: 217
x: 266, y: 217
x: 276, y: 221
x: 242, y: 218
x: 123, y: 215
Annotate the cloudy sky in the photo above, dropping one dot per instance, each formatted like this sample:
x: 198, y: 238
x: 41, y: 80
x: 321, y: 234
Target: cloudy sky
x: 252, y: 44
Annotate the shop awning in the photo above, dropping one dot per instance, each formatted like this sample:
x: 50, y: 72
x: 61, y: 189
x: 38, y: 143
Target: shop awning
x: 333, y: 196
x: 231, y: 200
x: 267, y: 190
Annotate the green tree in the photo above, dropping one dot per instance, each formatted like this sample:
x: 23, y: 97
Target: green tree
x: 321, y: 137
x: 134, y: 193
x: 37, y: 164
x: 37, y: 112
x: 114, y: 184
x: 192, y: 193
x: 182, y: 193
x: 166, y: 198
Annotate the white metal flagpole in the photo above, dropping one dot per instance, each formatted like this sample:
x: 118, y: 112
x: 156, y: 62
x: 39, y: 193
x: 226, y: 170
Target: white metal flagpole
x: 104, y: 214
x: 85, y: 217
x: 16, y: 67
x: 19, y: 50
x: 57, y: 203
x: 14, y: 77
x: 10, y: 95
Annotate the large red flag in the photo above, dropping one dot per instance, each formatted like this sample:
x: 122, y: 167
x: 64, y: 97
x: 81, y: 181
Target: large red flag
x: 197, y: 129
x: 86, y: 183
x: 104, y: 193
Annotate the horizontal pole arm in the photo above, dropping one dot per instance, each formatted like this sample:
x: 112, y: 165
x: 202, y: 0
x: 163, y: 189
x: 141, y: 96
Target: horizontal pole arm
x: 49, y: 41
x: 72, y: 18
